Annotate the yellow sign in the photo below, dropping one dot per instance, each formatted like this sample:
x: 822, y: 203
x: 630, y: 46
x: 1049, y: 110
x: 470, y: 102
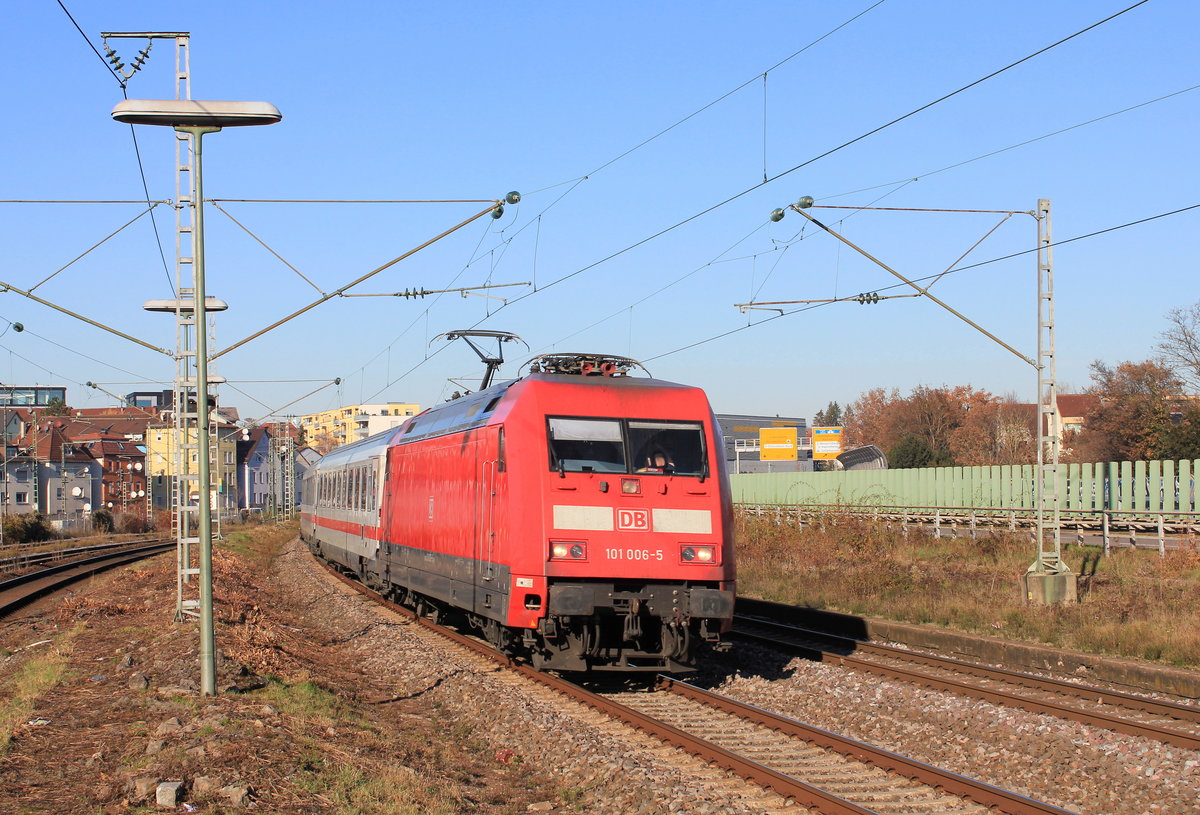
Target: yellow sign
x: 826, y: 442
x: 777, y: 444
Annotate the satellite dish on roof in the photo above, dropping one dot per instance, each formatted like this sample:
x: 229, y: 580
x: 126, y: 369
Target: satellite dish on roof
x: 77, y: 491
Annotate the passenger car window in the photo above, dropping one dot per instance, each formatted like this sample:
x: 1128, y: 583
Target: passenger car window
x: 587, y: 445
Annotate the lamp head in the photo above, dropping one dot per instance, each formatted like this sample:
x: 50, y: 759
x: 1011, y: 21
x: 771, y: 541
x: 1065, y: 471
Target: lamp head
x: 195, y: 113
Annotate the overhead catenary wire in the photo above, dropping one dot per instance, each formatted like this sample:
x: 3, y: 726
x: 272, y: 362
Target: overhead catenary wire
x: 575, y: 182
x: 783, y: 174
x: 41, y: 367
x: 799, y: 236
x: 95, y: 50
x: 94, y: 246
x: 1024, y: 143
x: 659, y: 290
x: 351, y: 200
x: 714, y: 261
x: 745, y: 84
x: 78, y: 201
x: 326, y: 297
x: 765, y: 179
x: 281, y: 408
x: 473, y: 257
x: 137, y: 151
x: 78, y: 353
x: 828, y: 152
x: 980, y: 264
x: 264, y: 245
x: 10, y: 287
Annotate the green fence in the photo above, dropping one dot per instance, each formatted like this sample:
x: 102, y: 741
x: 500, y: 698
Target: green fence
x: 1133, y: 487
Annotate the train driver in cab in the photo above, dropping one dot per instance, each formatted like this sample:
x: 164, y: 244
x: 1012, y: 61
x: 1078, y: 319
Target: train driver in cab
x: 658, y: 462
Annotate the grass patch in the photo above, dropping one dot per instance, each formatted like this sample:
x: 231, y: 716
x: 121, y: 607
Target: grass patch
x: 349, y: 790
x: 346, y: 783
x: 260, y: 544
x: 41, y: 672
x: 1133, y: 603
x: 304, y: 700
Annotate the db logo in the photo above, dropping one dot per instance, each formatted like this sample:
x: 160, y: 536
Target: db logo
x: 637, y: 520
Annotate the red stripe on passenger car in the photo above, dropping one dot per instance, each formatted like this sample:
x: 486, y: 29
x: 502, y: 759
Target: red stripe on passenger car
x: 371, y: 532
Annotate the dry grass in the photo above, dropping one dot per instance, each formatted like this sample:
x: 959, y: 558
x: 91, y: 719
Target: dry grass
x: 1134, y: 603
x: 369, y: 777
x: 19, y: 695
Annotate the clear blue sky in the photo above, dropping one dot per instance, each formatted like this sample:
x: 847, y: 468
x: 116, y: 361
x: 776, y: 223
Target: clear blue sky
x: 471, y: 100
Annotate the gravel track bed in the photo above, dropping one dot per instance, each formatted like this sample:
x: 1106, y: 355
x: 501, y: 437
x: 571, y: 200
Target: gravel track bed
x: 855, y: 781
x: 1081, y: 678
x: 1067, y: 764
x: 1068, y: 697
x: 613, y: 769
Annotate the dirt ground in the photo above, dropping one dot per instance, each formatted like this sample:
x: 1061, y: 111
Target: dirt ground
x: 298, y: 726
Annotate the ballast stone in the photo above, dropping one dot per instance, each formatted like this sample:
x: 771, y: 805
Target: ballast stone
x: 169, y: 793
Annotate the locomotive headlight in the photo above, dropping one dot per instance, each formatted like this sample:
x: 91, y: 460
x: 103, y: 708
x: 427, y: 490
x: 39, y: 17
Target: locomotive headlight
x: 568, y: 550
x: 698, y: 554
x: 631, y: 486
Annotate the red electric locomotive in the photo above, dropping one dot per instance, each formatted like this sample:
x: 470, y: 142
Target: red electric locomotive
x: 580, y: 517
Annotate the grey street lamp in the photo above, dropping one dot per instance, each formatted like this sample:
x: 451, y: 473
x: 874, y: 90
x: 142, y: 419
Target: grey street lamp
x: 196, y: 118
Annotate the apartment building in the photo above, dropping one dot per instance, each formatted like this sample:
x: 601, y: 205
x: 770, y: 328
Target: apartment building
x: 333, y: 428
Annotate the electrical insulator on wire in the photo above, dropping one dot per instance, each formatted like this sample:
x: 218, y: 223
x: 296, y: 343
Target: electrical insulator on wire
x: 113, y: 59
x: 869, y: 297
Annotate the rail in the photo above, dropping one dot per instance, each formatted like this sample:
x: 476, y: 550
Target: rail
x: 1000, y: 799
x: 23, y: 589
x: 31, y: 558
x: 1168, y: 722
x: 800, y: 792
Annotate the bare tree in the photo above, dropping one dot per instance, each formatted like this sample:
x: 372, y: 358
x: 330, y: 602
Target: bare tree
x: 1179, y: 348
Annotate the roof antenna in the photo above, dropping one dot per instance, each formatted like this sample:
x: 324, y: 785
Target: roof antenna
x: 493, y: 363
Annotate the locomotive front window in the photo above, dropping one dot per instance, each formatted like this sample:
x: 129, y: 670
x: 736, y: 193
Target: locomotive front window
x: 641, y: 446
x: 675, y: 448
x: 587, y: 445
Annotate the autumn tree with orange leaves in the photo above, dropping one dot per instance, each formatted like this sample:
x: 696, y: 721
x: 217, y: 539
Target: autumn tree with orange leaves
x: 942, y: 426
x: 1132, y: 419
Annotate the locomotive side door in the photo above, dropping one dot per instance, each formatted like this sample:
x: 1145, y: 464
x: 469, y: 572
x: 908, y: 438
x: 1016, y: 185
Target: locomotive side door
x: 492, y: 577
x: 488, y: 587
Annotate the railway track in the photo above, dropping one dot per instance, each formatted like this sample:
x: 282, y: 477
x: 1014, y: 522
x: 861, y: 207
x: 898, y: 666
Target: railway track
x: 26, y: 559
x: 1168, y: 722
x: 19, y: 591
x: 809, y: 766
x: 868, y: 777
